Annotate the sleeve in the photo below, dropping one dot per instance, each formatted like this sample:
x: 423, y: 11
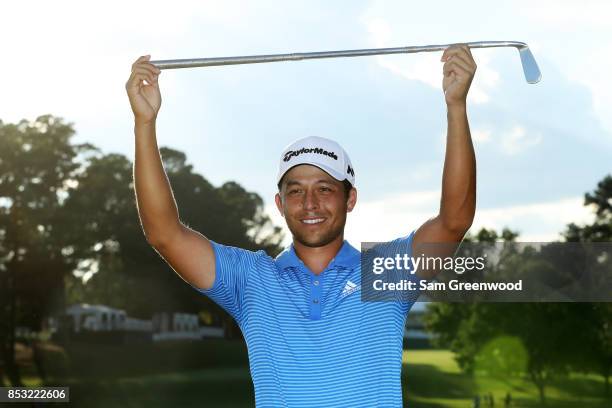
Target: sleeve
x: 233, y: 269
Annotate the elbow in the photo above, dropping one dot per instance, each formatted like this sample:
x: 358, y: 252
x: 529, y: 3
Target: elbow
x: 457, y: 221
x: 162, y: 237
x: 458, y: 226
x: 154, y: 242
x: 153, y: 239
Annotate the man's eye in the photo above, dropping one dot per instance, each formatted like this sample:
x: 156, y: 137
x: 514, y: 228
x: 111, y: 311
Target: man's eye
x: 294, y: 191
x: 326, y: 189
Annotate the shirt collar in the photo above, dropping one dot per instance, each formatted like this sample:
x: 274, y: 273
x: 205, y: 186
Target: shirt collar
x: 346, y: 257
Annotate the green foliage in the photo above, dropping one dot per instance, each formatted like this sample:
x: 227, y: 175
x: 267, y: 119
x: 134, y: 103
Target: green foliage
x: 36, y: 160
x: 597, y: 355
x: 68, y: 215
x: 474, y: 331
x: 490, y: 236
x: 501, y: 357
x: 600, y: 201
x: 549, y: 339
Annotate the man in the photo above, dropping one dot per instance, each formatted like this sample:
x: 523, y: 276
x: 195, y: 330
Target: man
x: 311, y: 341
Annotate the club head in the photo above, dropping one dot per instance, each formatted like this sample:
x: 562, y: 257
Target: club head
x: 530, y: 67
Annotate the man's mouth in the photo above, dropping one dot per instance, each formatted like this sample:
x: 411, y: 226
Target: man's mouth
x: 312, y: 221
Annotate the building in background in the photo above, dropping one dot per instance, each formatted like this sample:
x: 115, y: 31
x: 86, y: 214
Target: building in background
x: 103, y: 323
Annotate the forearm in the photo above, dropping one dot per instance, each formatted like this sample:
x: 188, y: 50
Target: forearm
x: 458, y: 203
x: 156, y: 206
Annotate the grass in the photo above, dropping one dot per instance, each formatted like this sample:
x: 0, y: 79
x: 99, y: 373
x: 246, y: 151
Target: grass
x: 431, y: 378
x: 152, y: 377
x: 221, y: 387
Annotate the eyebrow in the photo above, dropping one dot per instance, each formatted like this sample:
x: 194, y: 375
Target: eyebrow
x: 295, y: 182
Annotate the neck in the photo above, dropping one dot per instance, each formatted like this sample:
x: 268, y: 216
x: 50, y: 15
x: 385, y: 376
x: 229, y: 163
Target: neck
x: 318, y: 258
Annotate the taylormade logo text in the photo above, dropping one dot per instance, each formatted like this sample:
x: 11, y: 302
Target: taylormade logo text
x: 316, y: 150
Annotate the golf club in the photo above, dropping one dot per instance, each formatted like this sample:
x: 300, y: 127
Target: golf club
x: 530, y: 67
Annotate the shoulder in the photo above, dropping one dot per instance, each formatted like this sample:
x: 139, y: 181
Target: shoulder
x: 399, y: 245
x: 228, y: 255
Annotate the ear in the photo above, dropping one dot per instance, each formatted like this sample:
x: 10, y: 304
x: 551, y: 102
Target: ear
x: 279, y: 204
x: 352, y: 200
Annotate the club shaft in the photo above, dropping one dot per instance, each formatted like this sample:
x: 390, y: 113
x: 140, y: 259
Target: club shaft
x: 255, y: 59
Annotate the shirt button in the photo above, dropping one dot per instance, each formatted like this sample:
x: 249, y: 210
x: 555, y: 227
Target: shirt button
x: 316, y: 283
x: 315, y: 301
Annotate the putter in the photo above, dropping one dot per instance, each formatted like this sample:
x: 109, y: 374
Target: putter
x: 530, y: 67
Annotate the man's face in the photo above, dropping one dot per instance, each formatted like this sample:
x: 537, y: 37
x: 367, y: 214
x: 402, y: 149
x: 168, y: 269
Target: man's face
x: 314, y: 205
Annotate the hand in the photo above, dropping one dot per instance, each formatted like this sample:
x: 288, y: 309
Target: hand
x: 145, y: 98
x: 458, y: 70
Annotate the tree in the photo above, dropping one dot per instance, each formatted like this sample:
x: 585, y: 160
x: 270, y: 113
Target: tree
x: 68, y: 212
x: 465, y: 327
x: 601, y: 229
x: 599, y: 353
x: 541, y: 328
x: 555, y: 336
x: 36, y: 160
x: 111, y: 236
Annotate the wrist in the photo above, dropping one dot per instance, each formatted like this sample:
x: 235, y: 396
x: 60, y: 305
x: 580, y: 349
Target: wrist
x: 142, y: 123
x: 456, y: 108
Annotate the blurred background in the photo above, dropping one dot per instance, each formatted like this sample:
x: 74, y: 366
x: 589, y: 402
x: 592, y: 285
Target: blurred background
x: 85, y: 302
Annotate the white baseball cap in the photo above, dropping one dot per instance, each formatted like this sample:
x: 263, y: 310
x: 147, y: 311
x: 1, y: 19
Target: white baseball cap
x: 324, y: 153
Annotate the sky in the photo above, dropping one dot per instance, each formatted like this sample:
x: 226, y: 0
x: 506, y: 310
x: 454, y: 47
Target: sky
x: 539, y: 147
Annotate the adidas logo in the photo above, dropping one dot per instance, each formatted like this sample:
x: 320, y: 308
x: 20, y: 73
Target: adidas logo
x: 349, y: 288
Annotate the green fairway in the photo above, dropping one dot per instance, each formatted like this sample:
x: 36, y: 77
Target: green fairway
x: 431, y: 379
x: 220, y: 387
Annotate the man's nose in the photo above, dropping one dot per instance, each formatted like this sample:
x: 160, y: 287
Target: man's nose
x: 310, y: 200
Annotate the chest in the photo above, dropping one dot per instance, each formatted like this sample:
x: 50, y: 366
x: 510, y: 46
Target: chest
x: 294, y: 310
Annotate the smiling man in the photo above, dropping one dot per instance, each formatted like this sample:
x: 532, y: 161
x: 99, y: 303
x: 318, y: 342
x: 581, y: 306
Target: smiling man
x: 312, y: 341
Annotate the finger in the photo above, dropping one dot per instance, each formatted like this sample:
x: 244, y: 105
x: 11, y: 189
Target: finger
x: 453, y: 66
x: 460, y: 59
x: 135, y: 81
x: 466, y: 55
x: 153, y: 67
x: 457, y: 69
x: 466, y: 60
x: 461, y: 53
x: 156, y: 84
x: 150, y: 76
x: 148, y: 67
x: 448, y: 51
x: 467, y: 49
x: 141, y: 59
x: 461, y: 62
x: 456, y: 50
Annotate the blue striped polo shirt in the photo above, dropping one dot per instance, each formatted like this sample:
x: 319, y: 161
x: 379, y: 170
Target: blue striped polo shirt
x: 311, y: 340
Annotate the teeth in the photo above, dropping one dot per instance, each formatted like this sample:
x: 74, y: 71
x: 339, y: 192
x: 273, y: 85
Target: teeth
x: 315, y: 221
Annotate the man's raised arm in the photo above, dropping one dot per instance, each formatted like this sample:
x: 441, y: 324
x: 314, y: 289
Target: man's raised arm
x: 458, y: 201
x: 189, y: 253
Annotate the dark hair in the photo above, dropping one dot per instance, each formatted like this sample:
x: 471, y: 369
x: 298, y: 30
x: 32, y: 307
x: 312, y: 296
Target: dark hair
x: 347, y: 186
